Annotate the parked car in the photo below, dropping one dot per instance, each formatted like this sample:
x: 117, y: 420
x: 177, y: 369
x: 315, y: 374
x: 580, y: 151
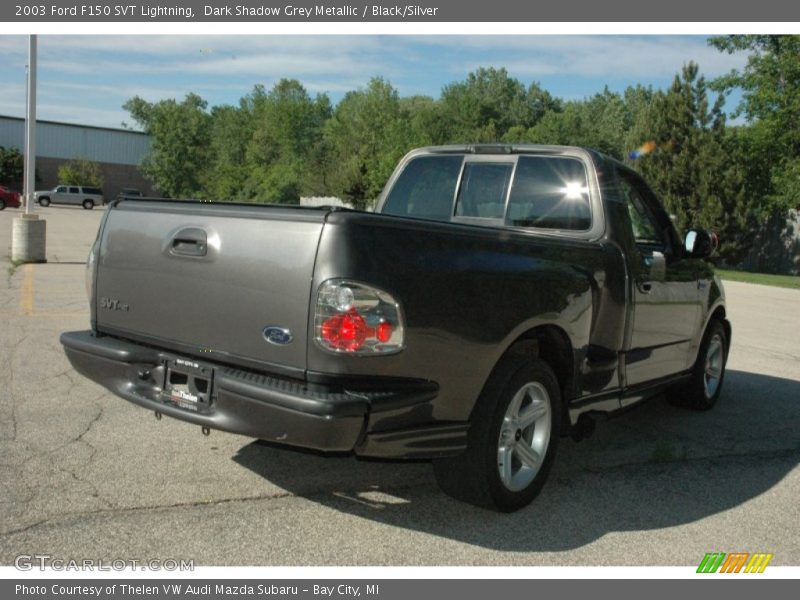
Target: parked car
x: 85, y: 196
x: 497, y: 299
x: 8, y: 198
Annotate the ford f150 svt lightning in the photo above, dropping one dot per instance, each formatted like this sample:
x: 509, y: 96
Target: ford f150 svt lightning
x: 497, y: 298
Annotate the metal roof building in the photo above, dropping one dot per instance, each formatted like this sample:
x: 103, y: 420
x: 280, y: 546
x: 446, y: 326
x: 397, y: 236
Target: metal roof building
x: 66, y: 141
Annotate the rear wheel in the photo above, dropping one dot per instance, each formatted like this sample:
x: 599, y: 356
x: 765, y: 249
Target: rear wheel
x: 705, y: 386
x: 88, y: 204
x: 512, y: 439
x: 44, y: 201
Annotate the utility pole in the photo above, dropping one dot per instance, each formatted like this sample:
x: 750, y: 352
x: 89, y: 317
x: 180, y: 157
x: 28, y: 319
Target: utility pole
x: 28, y: 235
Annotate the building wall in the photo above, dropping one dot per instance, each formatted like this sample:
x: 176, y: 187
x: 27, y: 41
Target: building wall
x: 68, y: 142
x: 118, y: 152
x: 777, y: 247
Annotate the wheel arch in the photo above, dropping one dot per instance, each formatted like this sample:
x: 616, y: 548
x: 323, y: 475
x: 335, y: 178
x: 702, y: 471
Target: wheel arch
x: 719, y: 313
x: 551, y: 344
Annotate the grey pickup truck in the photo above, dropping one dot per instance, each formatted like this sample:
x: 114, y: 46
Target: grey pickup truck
x: 498, y: 298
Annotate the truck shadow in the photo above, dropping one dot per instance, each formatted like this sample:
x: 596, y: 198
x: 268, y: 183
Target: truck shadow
x: 657, y: 466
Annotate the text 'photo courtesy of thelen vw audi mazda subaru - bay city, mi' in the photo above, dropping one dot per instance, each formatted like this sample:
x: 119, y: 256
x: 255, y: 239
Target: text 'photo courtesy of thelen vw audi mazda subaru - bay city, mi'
x: 498, y: 298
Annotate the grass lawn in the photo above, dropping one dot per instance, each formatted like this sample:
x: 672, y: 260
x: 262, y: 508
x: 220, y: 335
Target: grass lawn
x: 787, y: 281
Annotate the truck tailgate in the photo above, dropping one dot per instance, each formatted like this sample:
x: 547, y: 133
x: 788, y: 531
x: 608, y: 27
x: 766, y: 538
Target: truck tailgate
x: 207, y: 279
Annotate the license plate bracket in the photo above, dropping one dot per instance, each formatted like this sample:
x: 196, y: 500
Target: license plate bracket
x: 188, y: 384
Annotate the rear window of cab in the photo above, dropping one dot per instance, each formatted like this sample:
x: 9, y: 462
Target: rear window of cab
x: 549, y: 192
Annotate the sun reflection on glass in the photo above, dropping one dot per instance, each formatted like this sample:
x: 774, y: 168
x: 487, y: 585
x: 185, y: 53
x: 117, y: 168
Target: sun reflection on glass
x: 574, y: 190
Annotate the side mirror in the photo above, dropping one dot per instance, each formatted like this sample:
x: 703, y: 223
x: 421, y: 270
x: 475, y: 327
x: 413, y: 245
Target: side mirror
x: 700, y: 243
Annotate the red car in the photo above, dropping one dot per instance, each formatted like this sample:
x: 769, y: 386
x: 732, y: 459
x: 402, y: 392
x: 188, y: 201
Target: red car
x: 8, y: 198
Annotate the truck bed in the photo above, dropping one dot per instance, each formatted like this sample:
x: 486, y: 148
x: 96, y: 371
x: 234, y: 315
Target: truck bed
x: 208, y: 278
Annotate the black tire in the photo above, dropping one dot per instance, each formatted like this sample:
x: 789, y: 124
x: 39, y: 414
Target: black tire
x: 88, y: 204
x: 2, y: 204
x: 44, y: 202
x: 697, y: 393
x: 474, y: 476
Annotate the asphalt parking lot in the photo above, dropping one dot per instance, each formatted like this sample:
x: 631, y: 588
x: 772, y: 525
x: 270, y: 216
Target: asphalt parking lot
x: 85, y: 474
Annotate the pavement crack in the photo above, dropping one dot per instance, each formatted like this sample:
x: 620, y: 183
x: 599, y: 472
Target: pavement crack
x: 87, y: 429
x: 24, y: 529
x: 136, y: 509
x: 11, y: 377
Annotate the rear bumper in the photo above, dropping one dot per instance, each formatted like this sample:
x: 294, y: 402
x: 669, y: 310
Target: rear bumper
x: 327, y: 418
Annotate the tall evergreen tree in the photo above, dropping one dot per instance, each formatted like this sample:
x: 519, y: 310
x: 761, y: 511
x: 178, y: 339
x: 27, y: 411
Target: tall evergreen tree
x: 694, y: 168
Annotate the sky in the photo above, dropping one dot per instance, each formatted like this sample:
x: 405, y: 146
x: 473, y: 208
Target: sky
x: 87, y: 78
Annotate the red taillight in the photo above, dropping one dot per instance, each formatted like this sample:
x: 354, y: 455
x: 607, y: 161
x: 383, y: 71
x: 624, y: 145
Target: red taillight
x: 384, y: 331
x: 346, y: 331
x: 358, y: 319
x: 349, y: 331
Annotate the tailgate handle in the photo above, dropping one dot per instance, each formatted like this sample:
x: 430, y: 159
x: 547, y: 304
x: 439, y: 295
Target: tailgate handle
x: 191, y: 241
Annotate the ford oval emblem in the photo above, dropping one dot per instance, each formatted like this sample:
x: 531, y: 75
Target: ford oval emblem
x: 279, y: 336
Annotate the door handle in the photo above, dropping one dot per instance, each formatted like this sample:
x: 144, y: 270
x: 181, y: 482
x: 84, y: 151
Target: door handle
x: 191, y: 241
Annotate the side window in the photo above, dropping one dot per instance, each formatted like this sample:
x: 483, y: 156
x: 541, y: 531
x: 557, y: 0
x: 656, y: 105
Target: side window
x: 74, y: 190
x: 550, y: 192
x: 425, y: 188
x: 62, y: 189
x: 645, y: 227
x: 484, y: 187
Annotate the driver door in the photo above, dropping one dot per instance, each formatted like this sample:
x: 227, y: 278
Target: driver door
x: 666, y: 300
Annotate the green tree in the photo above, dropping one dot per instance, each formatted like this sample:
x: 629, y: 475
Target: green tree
x: 770, y: 83
x: 697, y: 166
x: 489, y: 103
x: 602, y: 122
x: 367, y: 135
x: 11, y: 167
x: 231, y: 130
x: 287, y: 129
x: 178, y: 161
x: 81, y: 171
x: 424, y: 119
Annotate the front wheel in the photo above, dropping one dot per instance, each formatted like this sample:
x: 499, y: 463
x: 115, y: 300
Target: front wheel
x: 704, y: 387
x: 512, y: 439
x: 88, y: 204
x: 2, y: 204
x: 44, y: 202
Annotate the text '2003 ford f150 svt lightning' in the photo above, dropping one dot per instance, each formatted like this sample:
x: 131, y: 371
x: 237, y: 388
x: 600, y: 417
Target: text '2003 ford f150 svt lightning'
x: 497, y: 298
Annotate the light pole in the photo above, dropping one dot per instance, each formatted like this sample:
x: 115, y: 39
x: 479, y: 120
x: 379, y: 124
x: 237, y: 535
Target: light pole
x: 30, y: 128
x: 28, y: 242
